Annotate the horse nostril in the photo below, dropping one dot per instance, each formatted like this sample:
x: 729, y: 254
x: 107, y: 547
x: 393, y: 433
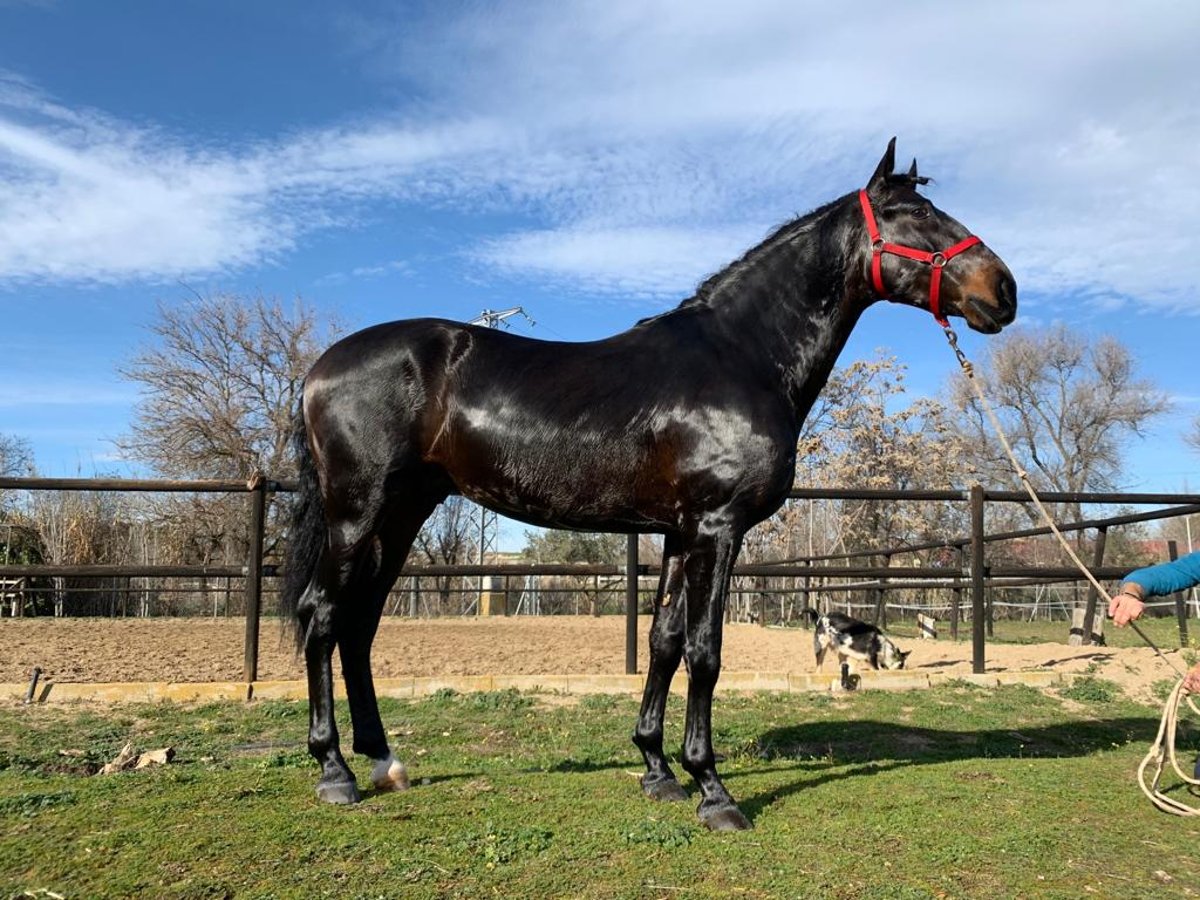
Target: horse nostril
x: 1006, y: 293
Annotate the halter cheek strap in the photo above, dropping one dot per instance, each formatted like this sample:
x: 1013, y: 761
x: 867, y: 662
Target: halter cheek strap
x: 937, y: 260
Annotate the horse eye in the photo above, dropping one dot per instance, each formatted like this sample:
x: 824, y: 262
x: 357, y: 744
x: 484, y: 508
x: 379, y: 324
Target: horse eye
x: 921, y: 212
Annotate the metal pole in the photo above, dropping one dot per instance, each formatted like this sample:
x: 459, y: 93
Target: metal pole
x: 258, y: 511
x: 806, y: 593
x: 1180, y: 601
x: 956, y: 595
x: 1187, y: 524
x: 631, y: 601
x: 978, y: 612
x: 1089, y: 613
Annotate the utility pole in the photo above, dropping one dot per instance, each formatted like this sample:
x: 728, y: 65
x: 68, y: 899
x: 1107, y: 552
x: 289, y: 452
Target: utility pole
x: 486, y: 522
x: 491, y: 318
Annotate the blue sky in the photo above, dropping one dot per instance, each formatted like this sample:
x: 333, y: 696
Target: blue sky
x: 590, y: 161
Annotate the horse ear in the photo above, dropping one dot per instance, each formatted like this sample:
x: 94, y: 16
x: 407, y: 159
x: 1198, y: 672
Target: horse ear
x: 912, y: 170
x: 886, y: 166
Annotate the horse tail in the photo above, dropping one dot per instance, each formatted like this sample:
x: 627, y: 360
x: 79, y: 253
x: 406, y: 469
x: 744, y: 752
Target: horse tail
x: 308, y: 532
x: 811, y: 614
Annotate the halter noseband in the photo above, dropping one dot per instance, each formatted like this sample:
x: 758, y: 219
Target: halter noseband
x: 937, y: 259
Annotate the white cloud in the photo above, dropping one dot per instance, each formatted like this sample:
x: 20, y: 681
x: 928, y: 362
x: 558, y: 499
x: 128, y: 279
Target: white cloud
x: 63, y: 393
x: 634, y: 261
x: 653, y: 142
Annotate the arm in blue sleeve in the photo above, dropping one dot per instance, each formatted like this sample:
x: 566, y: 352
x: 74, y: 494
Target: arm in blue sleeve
x: 1168, y: 577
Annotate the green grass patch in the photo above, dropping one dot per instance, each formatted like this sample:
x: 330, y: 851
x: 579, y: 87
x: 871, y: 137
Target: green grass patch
x: 1091, y: 689
x: 1163, y: 630
x: 959, y: 791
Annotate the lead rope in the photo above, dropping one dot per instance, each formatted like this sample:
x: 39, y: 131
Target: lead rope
x: 1163, y: 747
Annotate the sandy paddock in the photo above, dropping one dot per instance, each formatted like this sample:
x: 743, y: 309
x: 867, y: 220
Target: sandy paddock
x: 187, y: 650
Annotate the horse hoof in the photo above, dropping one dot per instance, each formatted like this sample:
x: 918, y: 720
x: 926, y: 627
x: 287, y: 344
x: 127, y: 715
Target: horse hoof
x: 666, y: 790
x: 339, y: 792
x: 724, y: 818
x: 389, y: 775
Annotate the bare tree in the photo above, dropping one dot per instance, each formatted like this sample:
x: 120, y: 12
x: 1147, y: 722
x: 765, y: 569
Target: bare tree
x: 221, y: 379
x: 84, y: 527
x: 863, y: 437
x: 16, y: 456
x: 1068, y: 406
x: 16, y: 459
x: 220, y: 382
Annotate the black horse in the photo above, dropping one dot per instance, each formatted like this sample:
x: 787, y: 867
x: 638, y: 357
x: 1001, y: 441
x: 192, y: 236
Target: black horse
x: 685, y: 425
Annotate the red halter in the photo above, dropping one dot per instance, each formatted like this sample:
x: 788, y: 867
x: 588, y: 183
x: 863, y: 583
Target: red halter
x: 937, y: 259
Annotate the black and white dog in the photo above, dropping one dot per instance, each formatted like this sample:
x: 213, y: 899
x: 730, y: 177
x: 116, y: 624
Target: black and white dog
x: 853, y: 640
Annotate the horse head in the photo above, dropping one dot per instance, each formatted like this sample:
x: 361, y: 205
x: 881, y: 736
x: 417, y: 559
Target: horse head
x: 920, y: 256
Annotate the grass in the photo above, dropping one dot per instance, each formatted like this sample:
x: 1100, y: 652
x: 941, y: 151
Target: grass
x: 1164, y: 631
x: 952, y: 792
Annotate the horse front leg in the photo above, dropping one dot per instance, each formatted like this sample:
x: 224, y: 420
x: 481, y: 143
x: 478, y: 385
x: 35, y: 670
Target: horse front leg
x: 708, y: 567
x: 666, y: 648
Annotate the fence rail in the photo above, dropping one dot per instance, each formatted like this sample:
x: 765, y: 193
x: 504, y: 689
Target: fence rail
x: 972, y: 573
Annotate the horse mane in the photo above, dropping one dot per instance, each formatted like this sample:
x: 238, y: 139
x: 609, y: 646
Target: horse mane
x: 786, y: 232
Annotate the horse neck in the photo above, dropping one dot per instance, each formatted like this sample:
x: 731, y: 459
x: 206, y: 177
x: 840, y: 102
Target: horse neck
x: 793, y: 300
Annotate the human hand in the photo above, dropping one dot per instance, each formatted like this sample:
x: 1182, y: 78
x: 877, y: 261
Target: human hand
x: 1191, y: 681
x: 1124, y: 608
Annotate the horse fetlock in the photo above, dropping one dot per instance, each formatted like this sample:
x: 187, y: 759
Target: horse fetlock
x: 648, y: 739
x: 389, y: 774
x: 700, y: 764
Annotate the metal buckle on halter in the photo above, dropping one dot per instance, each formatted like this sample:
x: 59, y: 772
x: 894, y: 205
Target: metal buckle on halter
x: 938, y: 260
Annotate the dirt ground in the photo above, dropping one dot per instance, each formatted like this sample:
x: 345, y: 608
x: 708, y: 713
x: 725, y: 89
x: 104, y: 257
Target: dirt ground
x: 182, y: 650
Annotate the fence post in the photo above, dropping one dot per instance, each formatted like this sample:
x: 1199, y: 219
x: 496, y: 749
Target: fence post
x: 1089, y: 614
x: 978, y: 612
x: 631, y: 601
x: 880, y: 595
x: 1180, y: 599
x: 258, y: 515
x: 806, y: 592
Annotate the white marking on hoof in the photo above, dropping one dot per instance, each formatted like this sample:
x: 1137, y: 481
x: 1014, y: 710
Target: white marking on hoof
x: 389, y: 774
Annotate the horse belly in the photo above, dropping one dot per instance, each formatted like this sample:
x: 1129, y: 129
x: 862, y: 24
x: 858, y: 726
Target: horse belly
x: 569, y: 483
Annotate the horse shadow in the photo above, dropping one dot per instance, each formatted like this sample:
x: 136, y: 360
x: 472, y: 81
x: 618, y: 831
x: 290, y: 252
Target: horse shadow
x: 828, y: 751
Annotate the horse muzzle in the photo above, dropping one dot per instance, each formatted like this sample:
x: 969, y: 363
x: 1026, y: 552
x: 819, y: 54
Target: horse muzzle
x: 988, y: 311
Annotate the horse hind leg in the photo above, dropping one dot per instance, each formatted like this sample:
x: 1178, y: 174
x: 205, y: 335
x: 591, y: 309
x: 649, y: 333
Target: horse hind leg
x: 666, y: 648
x: 317, y: 611
x: 357, y: 627
x: 345, y: 566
